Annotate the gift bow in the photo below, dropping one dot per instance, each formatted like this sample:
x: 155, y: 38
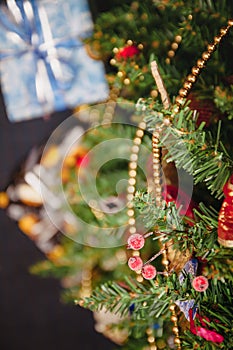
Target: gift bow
x: 28, y: 28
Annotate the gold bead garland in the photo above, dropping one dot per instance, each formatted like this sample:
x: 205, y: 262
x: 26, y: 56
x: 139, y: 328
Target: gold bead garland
x: 111, y: 106
x: 131, y: 214
x: 132, y: 183
x: 158, y: 200
x: 200, y: 64
x: 86, y: 282
x: 157, y: 183
x: 174, y: 47
x: 175, y: 328
x: 157, y: 166
x: 177, y: 40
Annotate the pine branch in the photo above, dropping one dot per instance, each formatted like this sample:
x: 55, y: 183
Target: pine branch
x: 147, y: 302
x: 200, y: 238
x: 192, y: 148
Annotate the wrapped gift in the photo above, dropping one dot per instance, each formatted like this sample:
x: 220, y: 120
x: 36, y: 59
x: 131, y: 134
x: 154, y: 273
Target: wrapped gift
x: 44, y: 64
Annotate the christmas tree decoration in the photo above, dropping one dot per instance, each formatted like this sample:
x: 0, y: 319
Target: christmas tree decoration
x: 136, y: 241
x: 127, y: 51
x: 149, y: 272
x: 135, y: 263
x: 204, y: 332
x: 225, y: 232
x: 46, y: 41
x: 150, y: 255
x: 181, y: 284
x: 166, y: 32
x: 200, y: 283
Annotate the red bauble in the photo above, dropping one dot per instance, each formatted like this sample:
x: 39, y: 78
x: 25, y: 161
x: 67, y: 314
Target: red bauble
x: 205, y: 108
x: 225, y: 219
x: 136, y: 241
x: 149, y: 272
x: 127, y: 52
x: 135, y: 263
x: 187, y: 205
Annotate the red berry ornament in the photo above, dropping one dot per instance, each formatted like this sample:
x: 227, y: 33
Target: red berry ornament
x: 136, y: 241
x: 135, y: 263
x: 149, y: 272
x: 200, y: 283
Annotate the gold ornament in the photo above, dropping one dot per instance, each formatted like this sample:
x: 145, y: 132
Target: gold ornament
x: 56, y: 253
x: 26, y: 224
x: 4, y: 200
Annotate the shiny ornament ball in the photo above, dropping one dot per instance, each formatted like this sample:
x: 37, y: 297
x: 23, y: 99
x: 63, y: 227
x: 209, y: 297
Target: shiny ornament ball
x: 127, y: 52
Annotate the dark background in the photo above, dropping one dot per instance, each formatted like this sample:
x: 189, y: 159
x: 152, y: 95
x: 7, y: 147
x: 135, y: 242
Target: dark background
x: 31, y: 314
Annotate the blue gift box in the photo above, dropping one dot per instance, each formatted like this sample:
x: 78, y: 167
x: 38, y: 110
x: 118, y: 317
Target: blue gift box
x: 44, y: 65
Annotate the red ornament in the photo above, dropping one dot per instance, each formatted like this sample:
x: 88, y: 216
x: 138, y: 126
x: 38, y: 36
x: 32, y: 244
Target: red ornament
x: 135, y: 263
x: 149, y: 272
x: 202, y: 331
x: 127, y: 52
x: 200, y: 283
x: 225, y: 219
x: 205, y: 108
x: 187, y: 205
x: 136, y: 241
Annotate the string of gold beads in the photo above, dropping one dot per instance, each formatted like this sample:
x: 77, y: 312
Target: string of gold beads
x: 157, y: 166
x: 200, y: 64
x: 177, y: 40
x: 110, y: 106
x: 86, y: 283
x: 175, y: 328
x: 95, y: 117
x: 133, y: 164
x: 151, y: 338
x: 157, y: 180
x: 174, y: 47
x: 158, y: 200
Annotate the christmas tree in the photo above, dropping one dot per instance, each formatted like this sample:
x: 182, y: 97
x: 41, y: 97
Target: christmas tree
x: 180, y: 295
